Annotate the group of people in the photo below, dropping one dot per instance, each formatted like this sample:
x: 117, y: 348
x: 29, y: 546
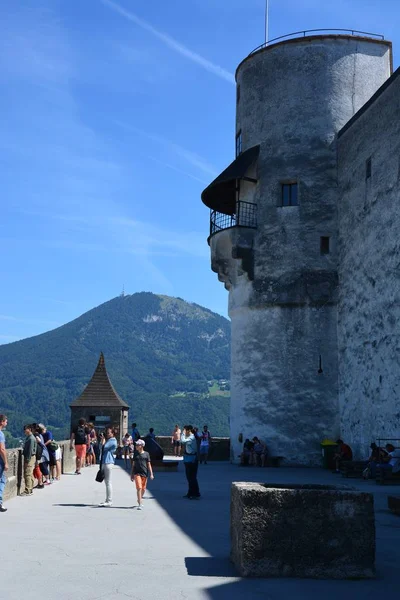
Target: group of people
x: 42, y: 458
x: 203, y: 441
x: 386, y: 459
x: 141, y: 468
x: 254, y: 452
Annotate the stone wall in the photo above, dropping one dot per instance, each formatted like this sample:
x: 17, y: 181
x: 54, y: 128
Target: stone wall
x: 15, y: 476
x: 220, y: 447
x: 369, y: 272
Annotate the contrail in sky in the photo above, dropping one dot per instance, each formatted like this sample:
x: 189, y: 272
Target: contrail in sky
x: 172, y: 43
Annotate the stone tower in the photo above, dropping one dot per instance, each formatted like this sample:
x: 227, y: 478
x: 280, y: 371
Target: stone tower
x: 99, y: 403
x: 273, y: 235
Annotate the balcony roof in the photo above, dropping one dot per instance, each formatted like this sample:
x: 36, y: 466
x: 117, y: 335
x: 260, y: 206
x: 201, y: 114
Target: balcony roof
x: 220, y: 195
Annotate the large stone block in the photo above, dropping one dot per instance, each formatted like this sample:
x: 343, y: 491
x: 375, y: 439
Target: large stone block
x: 290, y: 530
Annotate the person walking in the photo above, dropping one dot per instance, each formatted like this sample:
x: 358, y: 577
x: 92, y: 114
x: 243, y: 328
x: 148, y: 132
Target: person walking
x: 205, y: 441
x: 189, y: 443
x: 109, y: 443
x: 80, y: 438
x: 29, y: 454
x: 141, y: 467
x: 176, y: 440
x: 3, y: 461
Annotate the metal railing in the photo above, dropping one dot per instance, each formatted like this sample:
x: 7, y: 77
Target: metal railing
x: 312, y: 31
x: 245, y: 216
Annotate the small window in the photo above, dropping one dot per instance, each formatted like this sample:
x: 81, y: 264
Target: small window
x: 324, y: 245
x: 368, y: 168
x: 239, y: 143
x: 238, y: 94
x: 289, y: 194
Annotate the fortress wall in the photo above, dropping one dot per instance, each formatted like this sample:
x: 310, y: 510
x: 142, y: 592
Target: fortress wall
x: 369, y: 272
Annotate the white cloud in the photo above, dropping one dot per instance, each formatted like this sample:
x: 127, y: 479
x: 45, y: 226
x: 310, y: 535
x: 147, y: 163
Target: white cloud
x: 172, y: 43
x: 192, y: 158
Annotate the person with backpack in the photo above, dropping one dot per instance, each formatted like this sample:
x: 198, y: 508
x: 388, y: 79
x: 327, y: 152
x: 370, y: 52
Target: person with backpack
x: 29, y: 454
x: 81, y: 440
x: 52, y: 448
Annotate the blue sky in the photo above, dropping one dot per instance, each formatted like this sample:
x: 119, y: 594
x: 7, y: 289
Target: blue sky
x: 114, y: 116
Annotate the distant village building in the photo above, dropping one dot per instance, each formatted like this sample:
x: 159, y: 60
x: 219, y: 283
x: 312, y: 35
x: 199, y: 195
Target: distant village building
x: 305, y: 236
x: 99, y: 403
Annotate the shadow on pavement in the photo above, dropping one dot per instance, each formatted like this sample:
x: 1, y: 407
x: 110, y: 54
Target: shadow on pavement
x: 209, y: 566
x: 97, y: 506
x: 207, y: 522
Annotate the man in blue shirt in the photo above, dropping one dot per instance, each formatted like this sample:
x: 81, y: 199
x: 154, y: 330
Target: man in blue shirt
x: 135, y: 433
x: 3, y: 461
x: 191, y: 462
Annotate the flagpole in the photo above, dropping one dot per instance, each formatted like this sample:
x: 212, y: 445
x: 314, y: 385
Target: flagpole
x: 266, y: 19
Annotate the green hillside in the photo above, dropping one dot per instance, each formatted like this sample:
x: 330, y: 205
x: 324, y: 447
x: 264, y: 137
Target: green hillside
x: 160, y: 353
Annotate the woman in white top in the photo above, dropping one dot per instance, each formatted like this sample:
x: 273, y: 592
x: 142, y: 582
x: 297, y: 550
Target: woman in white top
x: 127, y: 448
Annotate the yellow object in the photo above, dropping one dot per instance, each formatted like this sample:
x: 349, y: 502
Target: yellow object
x: 327, y: 442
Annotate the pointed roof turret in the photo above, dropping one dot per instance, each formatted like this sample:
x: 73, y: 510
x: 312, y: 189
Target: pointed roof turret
x: 100, y: 391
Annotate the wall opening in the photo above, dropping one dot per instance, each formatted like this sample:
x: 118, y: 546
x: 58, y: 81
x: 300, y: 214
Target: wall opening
x: 368, y: 168
x: 324, y: 244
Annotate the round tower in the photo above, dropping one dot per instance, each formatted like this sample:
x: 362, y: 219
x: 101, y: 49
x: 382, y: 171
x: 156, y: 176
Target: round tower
x: 273, y: 235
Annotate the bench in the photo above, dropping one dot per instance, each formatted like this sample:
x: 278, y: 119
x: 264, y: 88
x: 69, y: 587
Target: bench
x: 166, y: 466
x: 273, y: 461
x: 394, y: 504
x: 270, y: 461
x: 384, y: 477
x: 352, y: 468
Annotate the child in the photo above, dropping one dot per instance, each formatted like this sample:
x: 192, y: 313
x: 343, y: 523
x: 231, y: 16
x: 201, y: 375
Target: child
x: 141, y: 467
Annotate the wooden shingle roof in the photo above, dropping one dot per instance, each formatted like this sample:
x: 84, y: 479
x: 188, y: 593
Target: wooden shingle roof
x: 100, y: 391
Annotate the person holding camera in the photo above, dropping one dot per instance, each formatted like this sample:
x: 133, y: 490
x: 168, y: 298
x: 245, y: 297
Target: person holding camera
x: 191, y: 462
x: 109, y: 446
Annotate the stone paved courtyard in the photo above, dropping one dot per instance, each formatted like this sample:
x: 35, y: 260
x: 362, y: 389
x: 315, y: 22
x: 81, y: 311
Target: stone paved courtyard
x: 60, y: 542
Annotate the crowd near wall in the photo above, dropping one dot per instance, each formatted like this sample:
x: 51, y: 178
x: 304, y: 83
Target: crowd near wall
x: 220, y: 450
x: 15, y: 473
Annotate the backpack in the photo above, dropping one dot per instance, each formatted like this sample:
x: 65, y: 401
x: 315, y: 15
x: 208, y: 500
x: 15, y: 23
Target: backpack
x: 39, y: 451
x: 80, y: 435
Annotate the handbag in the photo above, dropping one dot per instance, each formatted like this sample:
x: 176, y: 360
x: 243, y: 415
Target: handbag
x: 100, y: 474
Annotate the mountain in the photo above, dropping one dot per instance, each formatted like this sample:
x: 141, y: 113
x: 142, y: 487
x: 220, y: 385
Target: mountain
x: 159, y: 351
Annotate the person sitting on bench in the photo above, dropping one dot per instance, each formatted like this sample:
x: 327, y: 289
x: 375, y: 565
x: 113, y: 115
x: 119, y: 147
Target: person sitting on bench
x: 245, y: 457
x: 259, y: 452
x: 344, y: 453
x: 376, y: 456
x: 389, y: 464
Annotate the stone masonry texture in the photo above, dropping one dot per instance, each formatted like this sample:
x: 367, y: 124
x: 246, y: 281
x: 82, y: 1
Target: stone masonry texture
x: 299, y: 530
x: 369, y: 273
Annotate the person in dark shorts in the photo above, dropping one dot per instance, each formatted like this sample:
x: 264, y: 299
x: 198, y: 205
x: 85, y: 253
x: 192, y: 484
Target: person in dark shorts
x: 176, y: 440
x: 344, y: 453
x: 141, y: 468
